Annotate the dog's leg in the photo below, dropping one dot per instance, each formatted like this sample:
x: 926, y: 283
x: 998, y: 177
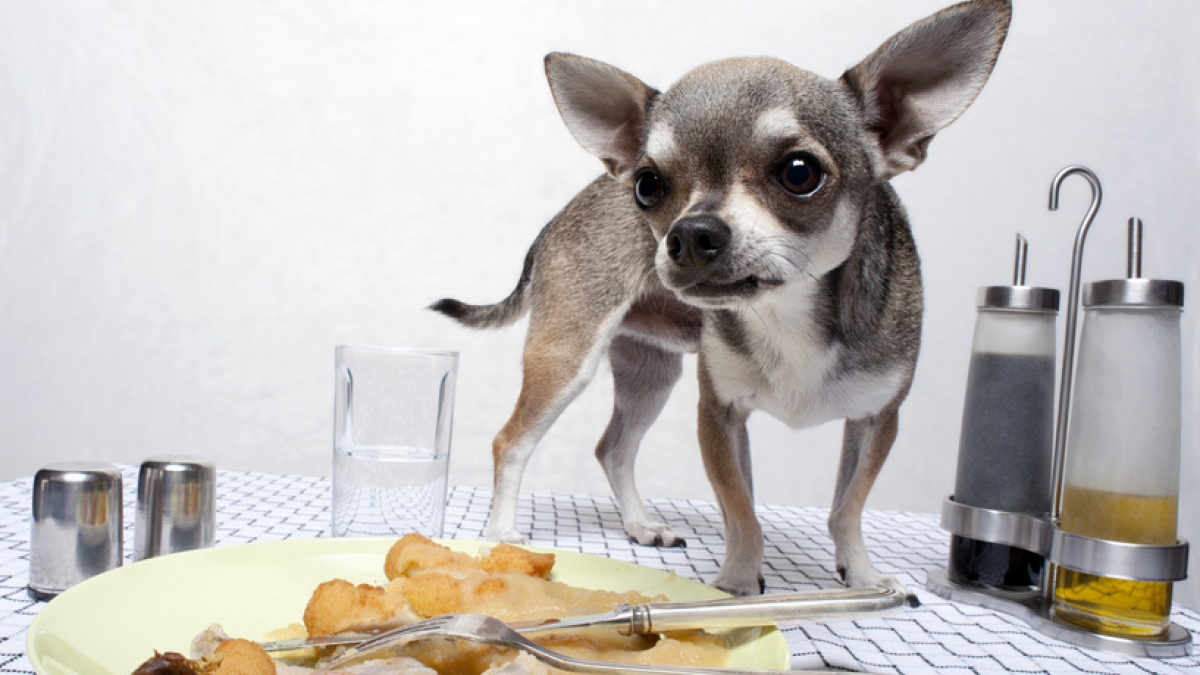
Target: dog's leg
x: 558, y: 363
x: 643, y: 376
x: 865, y: 445
x: 725, y: 448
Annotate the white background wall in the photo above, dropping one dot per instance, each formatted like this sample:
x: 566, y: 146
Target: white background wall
x: 198, y: 200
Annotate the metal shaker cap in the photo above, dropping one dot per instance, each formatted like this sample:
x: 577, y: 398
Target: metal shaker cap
x: 1161, y: 293
x: 176, y: 506
x: 1133, y: 291
x: 1018, y: 297
x: 77, y: 528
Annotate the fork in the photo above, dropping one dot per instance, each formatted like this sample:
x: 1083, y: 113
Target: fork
x: 487, y: 630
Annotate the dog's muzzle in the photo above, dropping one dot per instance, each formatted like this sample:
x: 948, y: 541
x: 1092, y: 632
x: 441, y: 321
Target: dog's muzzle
x: 697, y: 242
x: 701, y: 264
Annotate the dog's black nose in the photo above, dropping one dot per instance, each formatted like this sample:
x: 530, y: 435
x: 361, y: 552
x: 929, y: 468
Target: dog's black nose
x: 697, y: 241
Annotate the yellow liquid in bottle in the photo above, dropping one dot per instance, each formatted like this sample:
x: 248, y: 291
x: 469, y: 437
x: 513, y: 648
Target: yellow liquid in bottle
x: 1116, y: 606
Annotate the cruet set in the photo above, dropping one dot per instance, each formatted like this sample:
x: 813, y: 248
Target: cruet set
x: 1065, y: 513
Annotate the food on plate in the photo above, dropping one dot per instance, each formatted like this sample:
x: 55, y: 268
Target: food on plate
x: 173, y: 663
x: 415, y: 553
x: 338, y: 606
x: 426, y: 579
x: 243, y: 657
x: 229, y: 656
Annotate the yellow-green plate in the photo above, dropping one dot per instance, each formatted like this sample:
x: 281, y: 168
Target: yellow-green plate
x: 110, y: 624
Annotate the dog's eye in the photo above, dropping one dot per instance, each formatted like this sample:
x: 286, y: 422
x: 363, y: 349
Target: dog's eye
x: 648, y: 188
x: 800, y: 174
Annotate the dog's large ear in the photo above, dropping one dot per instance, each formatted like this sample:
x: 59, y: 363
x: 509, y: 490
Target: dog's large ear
x: 925, y: 76
x: 603, y: 107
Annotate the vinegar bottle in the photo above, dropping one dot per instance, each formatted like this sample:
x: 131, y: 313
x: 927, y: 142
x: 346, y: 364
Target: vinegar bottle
x: 1006, y: 444
x: 1121, y: 471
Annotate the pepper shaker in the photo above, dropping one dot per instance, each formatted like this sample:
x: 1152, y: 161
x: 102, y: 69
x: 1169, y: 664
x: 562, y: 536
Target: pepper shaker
x: 176, y: 506
x: 1006, y: 443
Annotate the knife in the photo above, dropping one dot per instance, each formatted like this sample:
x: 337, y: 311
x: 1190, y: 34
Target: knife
x: 664, y: 617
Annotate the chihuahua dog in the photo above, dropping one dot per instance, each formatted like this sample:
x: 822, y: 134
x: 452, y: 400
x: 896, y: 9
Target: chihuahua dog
x: 745, y: 214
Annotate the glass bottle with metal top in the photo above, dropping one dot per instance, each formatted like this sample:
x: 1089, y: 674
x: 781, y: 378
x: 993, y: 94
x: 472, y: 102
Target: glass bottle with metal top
x: 1121, y: 470
x: 1006, y: 444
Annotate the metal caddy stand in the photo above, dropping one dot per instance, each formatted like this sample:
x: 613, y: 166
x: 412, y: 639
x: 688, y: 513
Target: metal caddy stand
x: 1040, y: 534
x: 1093, y: 556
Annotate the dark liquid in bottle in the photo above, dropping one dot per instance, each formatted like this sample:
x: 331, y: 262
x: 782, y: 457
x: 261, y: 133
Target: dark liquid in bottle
x: 983, y: 563
x: 1004, y: 462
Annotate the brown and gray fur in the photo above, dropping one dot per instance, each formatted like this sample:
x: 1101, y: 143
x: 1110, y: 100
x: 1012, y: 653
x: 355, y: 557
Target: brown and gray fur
x: 803, y: 299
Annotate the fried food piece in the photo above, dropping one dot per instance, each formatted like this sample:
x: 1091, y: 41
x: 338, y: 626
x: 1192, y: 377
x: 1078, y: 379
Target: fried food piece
x: 243, y: 657
x: 433, y: 593
x: 414, y: 554
x: 517, y: 597
x: 508, y: 558
x: 337, y: 606
x: 427, y: 579
x: 506, y: 595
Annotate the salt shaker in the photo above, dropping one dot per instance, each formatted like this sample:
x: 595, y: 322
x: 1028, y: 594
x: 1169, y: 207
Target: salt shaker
x: 1121, y: 470
x: 1006, y: 443
x: 76, y: 526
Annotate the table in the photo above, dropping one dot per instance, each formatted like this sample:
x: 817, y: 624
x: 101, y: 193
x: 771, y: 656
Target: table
x: 938, y: 636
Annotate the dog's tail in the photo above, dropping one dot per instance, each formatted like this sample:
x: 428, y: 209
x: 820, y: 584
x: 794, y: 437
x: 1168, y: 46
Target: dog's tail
x: 496, y: 315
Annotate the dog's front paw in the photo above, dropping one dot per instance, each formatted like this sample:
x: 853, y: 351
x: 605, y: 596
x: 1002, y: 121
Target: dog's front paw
x: 654, y: 534
x: 749, y: 586
x: 505, y: 536
x: 871, y: 577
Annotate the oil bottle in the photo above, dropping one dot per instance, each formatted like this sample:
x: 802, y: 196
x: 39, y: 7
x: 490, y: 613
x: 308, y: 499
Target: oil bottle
x: 1121, y: 473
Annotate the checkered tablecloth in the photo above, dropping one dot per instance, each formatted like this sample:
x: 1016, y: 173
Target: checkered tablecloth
x: 939, y: 636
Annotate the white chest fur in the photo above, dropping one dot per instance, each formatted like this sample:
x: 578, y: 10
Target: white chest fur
x: 787, y: 368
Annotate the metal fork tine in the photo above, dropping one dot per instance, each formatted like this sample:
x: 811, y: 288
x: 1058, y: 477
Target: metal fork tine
x: 392, y: 638
x: 494, y: 631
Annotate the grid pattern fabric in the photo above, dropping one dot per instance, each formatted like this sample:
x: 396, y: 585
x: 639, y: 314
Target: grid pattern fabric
x: 939, y: 636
